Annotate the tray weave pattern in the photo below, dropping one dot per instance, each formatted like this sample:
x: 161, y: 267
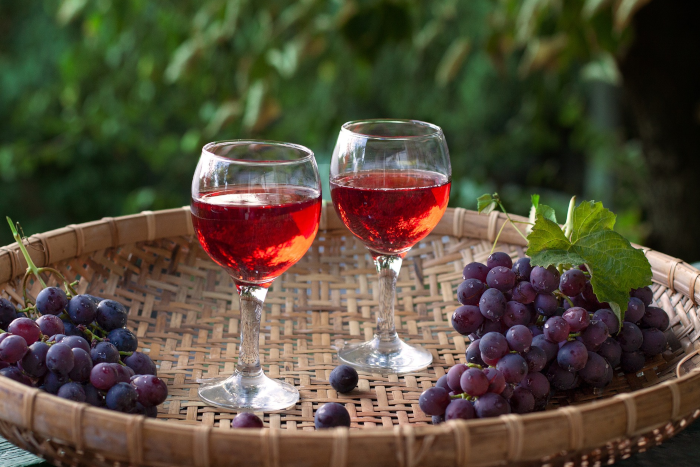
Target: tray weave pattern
x: 184, y: 310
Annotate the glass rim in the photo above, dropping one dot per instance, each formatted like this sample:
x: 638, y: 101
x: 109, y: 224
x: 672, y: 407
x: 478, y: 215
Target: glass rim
x: 437, y: 131
x: 207, y: 149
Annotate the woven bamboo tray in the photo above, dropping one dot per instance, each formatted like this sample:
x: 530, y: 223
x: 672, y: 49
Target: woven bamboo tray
x: 184, y: 309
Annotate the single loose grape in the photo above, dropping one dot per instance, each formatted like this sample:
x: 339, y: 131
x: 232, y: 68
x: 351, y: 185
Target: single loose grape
x: 246, y: 420
x: 333, y: 414
x: 344, y: 378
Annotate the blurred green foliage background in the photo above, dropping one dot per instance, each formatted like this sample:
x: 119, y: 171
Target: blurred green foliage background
x: 104, y: 105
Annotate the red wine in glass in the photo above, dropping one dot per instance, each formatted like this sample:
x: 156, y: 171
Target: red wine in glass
x: 257, y: 233
x: 390, y: 211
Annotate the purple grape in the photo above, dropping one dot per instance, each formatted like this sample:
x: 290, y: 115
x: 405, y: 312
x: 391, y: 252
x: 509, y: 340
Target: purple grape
x: 535, y: 330
x: 635, y: 310
x: 655, y: 318
x: 76, y: 342
x: 50, y: 325
x: 491, y: 405
x: 524, y: 292
x: 106, y: 352
x: 594, y: 335
x: 60, y: 359
x: 572, y: 356
x: 56, y: 338
x: 15, y: 374
x: 513, y: 367
x: 493, y: 346
x: 550, y: 348
x: 499, y: 258
x: 522, y: 401
x: 453, y: 376
x: 645, y: 294
x: 442, y: 383
x: 12, y: 348
x: 653, y: 342
x: 469, y: 292
x: 71, y: 329
x: 536, y: 359
x: 544, y: 280
x: 52, y: 382
x: 537, y: 384
x: 34, y: 361
x: 492, y: 304
x: 630, y: 337
x: 516, y: 313
x: 497, y: 382
x: 577, y: 317
x: 596, y: 370
x: 546, y: 304
x: 8, y: 313
x: 608, y: 317
x: 434, y: 401
x: 501, y: 278
x: 467, y: 319
x: 151, y: 390
x: 141, y: 364
x: 572, y: 282
x: 246, y: 420
x: 343, y: 379
x: 124, y: 373
x: 491, y: 326
x: 611, y: 351
x: 82, y: 366
x: 332, y: 415
x: 519, y: 338
x: 103, y: 376
x: 474, y: 382
x: 475, y: 271
x: 25, y: 328
x: 473, y: 353
x: 72, y: 392
x: 110, y: 315
x: 123, y: 339
x: 522, y: 269
x: 82, y: 310
x: 562, y: 379
x: 507, y: 392
x: 632, y: 362
x: 51, y: 301
x: 591, y: 297
x: 437, y: 419
x: 460, y: 409
x: 93, y: 396
x: 121, y: 397
x: 556, y: 329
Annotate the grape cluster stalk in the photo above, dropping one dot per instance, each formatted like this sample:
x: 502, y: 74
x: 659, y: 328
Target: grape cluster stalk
x: 534, y: 331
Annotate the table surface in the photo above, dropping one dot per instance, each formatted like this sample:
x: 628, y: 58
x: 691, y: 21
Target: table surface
x: 682, y: 450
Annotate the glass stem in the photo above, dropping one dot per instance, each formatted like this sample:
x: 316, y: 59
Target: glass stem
x: 251, y: 300
x: 388, y: 268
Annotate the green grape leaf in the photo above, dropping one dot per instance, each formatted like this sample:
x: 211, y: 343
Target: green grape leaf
x: 547, y: 212
x: 591, y: 217
x: 615, y: 266
x: 485, y: 204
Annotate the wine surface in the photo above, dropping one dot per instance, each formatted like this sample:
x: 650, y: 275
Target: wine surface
x: 257, y: 234
x: 390, y: 211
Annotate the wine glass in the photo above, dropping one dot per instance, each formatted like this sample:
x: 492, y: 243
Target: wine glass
x: 256, y: 206
x: 390, y: 184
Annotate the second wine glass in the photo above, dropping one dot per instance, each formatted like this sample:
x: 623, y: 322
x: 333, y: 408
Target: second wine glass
x: 390, y: 184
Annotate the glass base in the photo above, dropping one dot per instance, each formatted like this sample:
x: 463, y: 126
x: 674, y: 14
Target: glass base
x: 377, y: 356
x: 257, y: 393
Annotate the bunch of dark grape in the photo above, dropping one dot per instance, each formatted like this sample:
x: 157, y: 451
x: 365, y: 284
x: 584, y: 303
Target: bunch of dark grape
x: 534, y: 331
x: 78, y: 348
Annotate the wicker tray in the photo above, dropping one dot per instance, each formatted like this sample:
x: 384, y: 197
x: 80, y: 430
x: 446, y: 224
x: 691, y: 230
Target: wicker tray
x: 184, y: 310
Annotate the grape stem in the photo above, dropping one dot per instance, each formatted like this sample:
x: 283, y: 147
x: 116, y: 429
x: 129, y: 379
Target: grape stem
x: 573, y: 336
x: 30, y: 264
x: 561, y: 295
x: 475, y: 365
x: 498, y: 201
x: 92, y: 335
x: 126, y: 354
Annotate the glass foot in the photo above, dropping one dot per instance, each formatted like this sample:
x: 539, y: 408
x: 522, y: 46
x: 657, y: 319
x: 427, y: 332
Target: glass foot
x: 377, y: 356
x: 258, y: 393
